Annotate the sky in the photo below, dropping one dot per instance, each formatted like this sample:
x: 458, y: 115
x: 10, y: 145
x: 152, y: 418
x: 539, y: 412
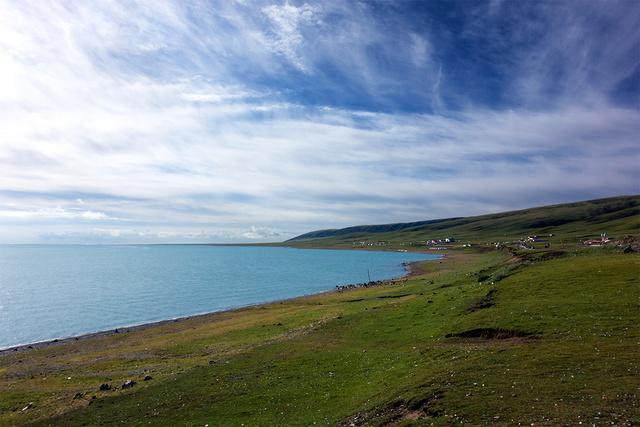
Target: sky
x: 250, y: 121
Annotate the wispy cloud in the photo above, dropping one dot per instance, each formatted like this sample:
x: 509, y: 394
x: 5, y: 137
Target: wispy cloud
x: 52, y: 213
x: 260, y: 233
x: 287, y: 22
x: 226, y: 121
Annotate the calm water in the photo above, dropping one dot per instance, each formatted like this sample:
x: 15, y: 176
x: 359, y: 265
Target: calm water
x: 50, y: 292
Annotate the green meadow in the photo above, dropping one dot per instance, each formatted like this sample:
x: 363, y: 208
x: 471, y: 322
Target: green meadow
x: 507, y: 336
x: 569, y: 223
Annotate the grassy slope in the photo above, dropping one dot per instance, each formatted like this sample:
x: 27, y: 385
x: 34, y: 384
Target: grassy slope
x: 381, y: 356
x: 370, y: 356
x: 571, y: 221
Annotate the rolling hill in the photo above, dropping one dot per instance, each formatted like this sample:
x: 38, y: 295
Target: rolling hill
x: 614, y: 215
x: 488, y: 335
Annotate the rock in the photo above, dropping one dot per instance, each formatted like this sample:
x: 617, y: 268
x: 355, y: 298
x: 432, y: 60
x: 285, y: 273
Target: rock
x: 105, y: 387
x: 128, y: 384
x: 147, y: 378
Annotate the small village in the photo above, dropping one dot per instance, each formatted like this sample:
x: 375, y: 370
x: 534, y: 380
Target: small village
x: 530, y: 242
x: 428, y: 242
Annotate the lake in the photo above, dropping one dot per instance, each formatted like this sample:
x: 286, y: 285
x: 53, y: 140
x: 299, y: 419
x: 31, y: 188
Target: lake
x: 55, y: 291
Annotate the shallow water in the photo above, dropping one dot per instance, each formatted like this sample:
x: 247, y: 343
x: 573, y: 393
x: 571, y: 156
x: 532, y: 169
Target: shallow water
x: 54, y: 291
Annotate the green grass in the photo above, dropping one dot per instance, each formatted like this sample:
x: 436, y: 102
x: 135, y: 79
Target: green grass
x: 424, y: 352
x: 377, y: 356
x: 569, y: 222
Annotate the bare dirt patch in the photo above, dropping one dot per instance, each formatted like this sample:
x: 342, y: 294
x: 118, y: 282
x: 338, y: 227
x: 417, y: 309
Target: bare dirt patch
x: 491, y: 334
x: 397, y: 412
x: 483, y: 302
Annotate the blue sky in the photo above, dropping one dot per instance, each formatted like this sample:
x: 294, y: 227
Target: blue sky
x: 239, y: 121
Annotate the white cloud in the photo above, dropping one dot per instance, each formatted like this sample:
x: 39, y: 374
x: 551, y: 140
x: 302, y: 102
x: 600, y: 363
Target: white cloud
x: 126, y: 112
x: 287, y: 22
x: 53, y: 213
x: 134, y: 235
x: 260, y: 233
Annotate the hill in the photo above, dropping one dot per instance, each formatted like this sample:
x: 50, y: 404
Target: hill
x: 488, y: 335
x: 614, y: 215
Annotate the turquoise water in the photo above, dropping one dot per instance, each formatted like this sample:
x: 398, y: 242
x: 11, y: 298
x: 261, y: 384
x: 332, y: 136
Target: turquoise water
x: 49, y: 291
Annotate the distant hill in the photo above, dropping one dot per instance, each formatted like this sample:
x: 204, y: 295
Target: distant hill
x: 614, y: 215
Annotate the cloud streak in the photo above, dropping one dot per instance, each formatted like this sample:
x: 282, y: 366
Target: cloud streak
x: 53, y: 213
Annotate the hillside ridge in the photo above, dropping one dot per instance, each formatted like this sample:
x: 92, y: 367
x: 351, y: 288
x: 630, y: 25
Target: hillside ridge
x: 545, y: 218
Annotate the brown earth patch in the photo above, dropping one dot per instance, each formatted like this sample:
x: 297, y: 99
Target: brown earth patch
x: 397, y: 412
x: 490, y: 334
x: 483, y: 302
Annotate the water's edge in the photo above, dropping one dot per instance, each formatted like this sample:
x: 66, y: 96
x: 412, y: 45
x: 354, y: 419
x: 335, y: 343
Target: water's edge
x: 408, y: 267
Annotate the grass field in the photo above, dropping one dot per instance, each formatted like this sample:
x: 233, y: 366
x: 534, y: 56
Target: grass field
x: 482, y: 338
x: 487, y: 336
x: 569, y: 222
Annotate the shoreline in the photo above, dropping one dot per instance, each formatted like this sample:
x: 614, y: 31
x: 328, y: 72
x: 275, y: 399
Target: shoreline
x: 409, y: 267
